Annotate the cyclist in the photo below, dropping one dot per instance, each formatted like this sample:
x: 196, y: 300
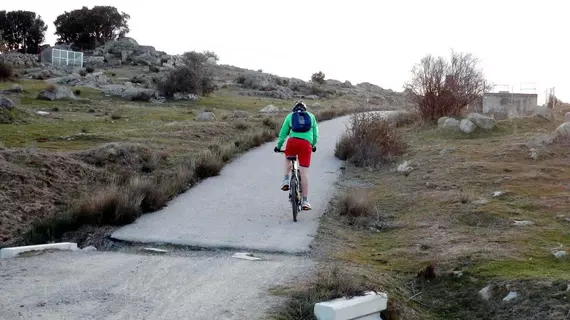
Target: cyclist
x: 301, y: 127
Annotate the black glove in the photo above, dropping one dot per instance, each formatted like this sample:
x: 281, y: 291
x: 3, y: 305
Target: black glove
x: 314, y: 148
x: 276, y: 149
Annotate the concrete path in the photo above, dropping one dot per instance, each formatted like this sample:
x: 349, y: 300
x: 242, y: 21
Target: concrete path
x: 244, y: 206
x: 127, y: 286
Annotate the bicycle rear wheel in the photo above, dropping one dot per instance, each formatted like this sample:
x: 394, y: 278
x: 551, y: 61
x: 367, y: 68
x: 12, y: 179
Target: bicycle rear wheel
x: 294, y: 197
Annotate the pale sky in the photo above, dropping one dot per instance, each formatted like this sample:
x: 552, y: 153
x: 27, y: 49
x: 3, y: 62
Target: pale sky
x: 518, y: 42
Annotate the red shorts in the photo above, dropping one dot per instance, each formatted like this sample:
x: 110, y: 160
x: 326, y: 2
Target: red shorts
x: 301, y: 148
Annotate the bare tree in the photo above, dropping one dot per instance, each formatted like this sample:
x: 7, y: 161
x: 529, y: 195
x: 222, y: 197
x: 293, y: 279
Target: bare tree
x: 445, y: 88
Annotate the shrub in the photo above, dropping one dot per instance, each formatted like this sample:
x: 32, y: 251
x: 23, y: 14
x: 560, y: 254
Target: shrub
x: 370, y: 141
x: 242, y: 125
x: 154, y: 69
x: 358, y: 207
x: 440, y: 88
x: 241, y: 79
x: 82, y: 73
x: 90, y: 69
x: 318, y: 77
x: 196, y: 78
x: 208, y: 164
x: 77, y: 92
x: 6, y: 72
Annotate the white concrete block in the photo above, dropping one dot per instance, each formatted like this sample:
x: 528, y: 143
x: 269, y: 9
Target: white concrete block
x: 362, y: 307
x: 14, y: 251
x: 246, y: 256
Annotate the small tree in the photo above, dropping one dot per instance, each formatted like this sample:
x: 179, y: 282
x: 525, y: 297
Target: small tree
x: 318, y: 77
x: 440, y: 88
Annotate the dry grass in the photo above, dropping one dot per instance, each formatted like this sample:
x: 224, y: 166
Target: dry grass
x: 328, y: 285
x: 448, y: 217
x: 370, y: 141
x: 358, y: 207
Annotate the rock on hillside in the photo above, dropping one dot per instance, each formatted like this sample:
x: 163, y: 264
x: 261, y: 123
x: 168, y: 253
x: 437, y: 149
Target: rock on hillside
x: 127, y: 51
x: 57, y: 93
x: 20, y: 60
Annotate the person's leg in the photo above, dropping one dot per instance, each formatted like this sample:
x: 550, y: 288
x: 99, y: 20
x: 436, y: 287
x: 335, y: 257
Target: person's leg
x: 290, y: 150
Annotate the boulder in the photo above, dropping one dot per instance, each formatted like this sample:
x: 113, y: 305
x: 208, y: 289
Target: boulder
x: 143, y: 79
x: 94, y: 61
x: 563, y: 130
x: 481, y: 121
x: 69, y: 80
x: 240, y: 114
x: 57, y: 93
x: 451, y: 125
x: 146, y: 59
x: 206, y: 116
x: 185, y: 96
x: 16, y: 88
x: 466, y: 126
x: 441, y: 121
x: 567, y: 117
x: 138, y: 94
x: 545, y: 113
x: 20, y: 60
x: 95, y: 80
x: 6, y: 103
x: 270, y: 109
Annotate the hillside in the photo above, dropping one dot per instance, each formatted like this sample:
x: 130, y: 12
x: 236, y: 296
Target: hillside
x: 74, y: 138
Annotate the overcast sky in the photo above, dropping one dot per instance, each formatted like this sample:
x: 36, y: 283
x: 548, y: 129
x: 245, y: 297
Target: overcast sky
x: 518, y: 42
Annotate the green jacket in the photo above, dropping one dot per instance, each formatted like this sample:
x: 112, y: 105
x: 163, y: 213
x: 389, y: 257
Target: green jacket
x: 312, y: 135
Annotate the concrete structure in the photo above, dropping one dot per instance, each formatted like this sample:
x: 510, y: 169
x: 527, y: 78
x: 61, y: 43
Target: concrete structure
x: 61, y: 55
x: 503, y: 105
x: 367, y: 307
x: 14, y: 251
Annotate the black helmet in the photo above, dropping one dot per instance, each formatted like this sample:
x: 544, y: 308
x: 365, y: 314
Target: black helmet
x: 299, y: 106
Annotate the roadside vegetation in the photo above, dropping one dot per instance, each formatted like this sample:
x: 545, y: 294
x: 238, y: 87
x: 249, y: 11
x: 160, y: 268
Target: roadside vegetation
x: 451, y: 226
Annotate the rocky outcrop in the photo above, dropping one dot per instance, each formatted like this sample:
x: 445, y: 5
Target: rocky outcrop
x: 127, y: 51
x: 20, y: 60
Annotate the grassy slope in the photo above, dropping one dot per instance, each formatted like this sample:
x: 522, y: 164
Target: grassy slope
x: 436, y: 219
x: 65, y: 159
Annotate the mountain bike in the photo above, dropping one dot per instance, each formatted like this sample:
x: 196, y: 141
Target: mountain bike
x: 295, y: 189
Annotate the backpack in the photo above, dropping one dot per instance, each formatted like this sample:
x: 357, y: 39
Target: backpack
x: 301, y: 121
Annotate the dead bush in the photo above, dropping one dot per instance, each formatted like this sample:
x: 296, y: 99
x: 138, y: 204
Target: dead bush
x: 445, y: 88
x: 51, y: 87
x: 6, y: 72
x: 370, y: 141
